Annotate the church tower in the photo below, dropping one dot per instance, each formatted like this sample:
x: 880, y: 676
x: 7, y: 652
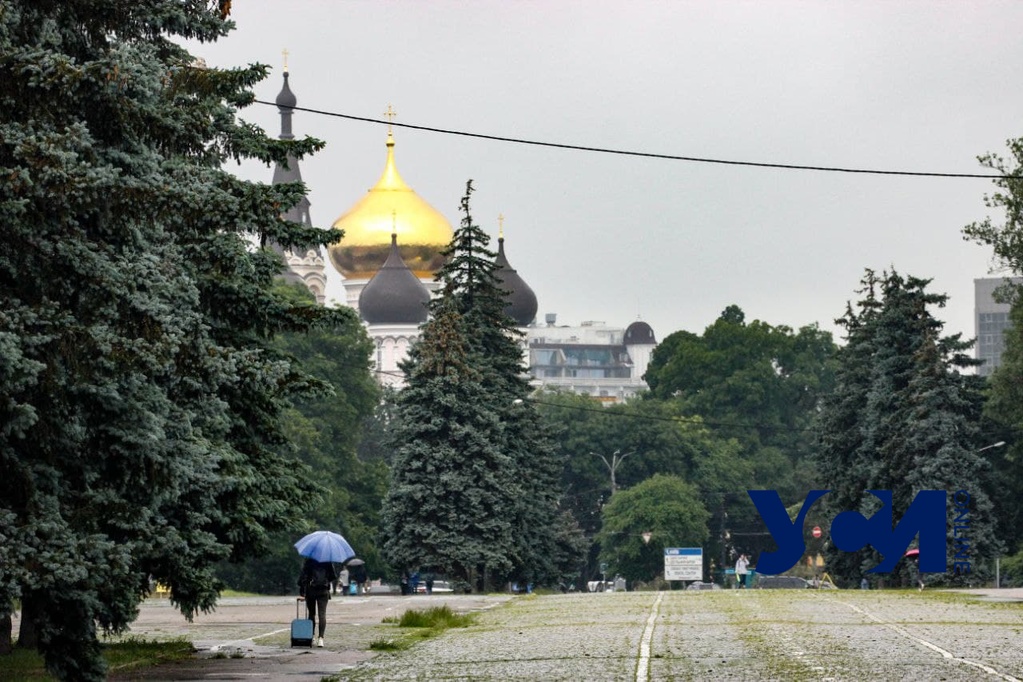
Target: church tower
x: 520, y: 301
x: 387, y: 258
x: 389, y: 206
x: 393, y: 304
x: 305, y: 265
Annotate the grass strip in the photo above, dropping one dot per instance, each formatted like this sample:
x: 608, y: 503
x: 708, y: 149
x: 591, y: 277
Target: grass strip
x: 128, y: 654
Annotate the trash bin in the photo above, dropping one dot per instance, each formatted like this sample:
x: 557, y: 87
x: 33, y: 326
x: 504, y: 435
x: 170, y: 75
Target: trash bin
x: 750, y: 579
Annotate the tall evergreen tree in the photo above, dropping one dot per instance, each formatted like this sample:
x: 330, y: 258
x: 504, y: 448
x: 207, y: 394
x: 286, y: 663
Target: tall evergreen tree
x: 140, y: 398
x: 471, y: 347
x: 447, y: 507
x: 904, y: 416
x: 1005, y: 406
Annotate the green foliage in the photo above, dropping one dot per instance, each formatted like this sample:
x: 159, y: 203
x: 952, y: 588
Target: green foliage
x: 129, y: 654
x: 652, y: 436
x: 473, y: 487
x: 140, y: 420
x: 1012, y: 570
x: 758, y: 387
x: 903, y: 416
x: 441, y: 617
x: 389, y: 644
x: 1005, y: 406
x: 666, y: 507
x: 754, y: 382
x: 323, y: 433
x: 1004, y: 239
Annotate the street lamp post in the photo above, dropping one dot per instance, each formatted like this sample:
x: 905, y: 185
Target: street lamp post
x: 612, y: 466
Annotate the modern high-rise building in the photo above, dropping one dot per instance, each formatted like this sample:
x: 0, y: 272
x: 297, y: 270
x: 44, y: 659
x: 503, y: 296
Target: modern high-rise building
x: 991, y: 319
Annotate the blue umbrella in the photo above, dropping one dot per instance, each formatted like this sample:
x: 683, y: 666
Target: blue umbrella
x: 324, y: 545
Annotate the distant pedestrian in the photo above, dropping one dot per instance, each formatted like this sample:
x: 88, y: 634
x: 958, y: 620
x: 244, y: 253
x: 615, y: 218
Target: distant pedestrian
x: 314, y: 587
x: 357, y: 574
x: 343, y: 581
x: 914, y: 570
x: 428, y: 579
x: 741, y: 570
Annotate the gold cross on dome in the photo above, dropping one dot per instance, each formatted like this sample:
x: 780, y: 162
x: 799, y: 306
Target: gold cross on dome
x: 389, y: 115
x: 284, y: 53
x: 500, y: 225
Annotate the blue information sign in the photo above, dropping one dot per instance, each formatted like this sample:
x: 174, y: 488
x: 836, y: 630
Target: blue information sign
x: 683, y: 563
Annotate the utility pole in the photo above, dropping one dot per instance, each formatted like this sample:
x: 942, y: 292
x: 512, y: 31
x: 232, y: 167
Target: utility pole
x: 612, y: 466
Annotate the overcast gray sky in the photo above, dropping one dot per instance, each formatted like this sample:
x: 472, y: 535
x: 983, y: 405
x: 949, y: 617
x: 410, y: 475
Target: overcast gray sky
x: 924, y: 86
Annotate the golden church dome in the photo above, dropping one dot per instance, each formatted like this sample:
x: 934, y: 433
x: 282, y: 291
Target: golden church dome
x: 389, y: 207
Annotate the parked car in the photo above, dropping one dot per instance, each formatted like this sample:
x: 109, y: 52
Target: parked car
x: 773, y: 582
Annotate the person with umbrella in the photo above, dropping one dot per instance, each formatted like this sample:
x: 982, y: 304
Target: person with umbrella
x: 321, y: 549
x: 914, y: 567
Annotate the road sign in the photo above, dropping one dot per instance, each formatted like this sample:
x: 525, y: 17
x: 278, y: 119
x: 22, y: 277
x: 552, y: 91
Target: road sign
x: 683, y: 563
x: 816, y: 531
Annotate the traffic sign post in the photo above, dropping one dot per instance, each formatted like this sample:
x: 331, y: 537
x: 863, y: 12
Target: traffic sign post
x: 683, y: 563
x: 816, y: 531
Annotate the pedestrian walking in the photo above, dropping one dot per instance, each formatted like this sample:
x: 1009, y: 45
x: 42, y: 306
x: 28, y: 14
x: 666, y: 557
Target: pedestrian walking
x: 343, y: 580
x: 741, y: 570
x: 314, y: 587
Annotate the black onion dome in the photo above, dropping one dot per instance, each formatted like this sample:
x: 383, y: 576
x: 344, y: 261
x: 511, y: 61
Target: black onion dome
x: 520, y: 301
x: 638, y: 334
x: 286, y: 98
x: 394, y: 295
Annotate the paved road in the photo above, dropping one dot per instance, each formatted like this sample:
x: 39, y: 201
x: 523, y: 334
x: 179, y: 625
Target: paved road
x: 727, y: 635
x: 722, y: 635
x: 249, y: 638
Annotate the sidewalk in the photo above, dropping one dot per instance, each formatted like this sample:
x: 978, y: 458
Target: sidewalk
x: 226, y: 639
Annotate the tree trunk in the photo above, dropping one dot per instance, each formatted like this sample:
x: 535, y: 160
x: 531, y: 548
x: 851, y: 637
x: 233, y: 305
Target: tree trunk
x: 5, y: 634
x: 28, y: 637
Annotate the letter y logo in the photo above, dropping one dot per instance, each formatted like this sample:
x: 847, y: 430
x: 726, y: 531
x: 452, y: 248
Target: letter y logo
x: 788, y: 535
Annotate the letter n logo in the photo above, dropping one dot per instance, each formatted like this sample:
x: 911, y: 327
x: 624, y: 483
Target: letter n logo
x: 926, y: 516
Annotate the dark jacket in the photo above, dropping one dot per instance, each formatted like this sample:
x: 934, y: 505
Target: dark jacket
x: 305, y: 578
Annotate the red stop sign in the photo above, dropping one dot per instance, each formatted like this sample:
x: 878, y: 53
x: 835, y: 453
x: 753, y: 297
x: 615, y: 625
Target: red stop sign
x: 816, y: 531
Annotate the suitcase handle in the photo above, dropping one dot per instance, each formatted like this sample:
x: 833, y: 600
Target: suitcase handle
x: 298, y: 600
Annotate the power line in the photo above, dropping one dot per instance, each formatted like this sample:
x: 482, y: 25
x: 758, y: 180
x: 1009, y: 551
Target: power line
x: 651, y: 155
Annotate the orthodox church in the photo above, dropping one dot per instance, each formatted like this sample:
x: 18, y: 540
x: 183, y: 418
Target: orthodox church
x: 388, y: 258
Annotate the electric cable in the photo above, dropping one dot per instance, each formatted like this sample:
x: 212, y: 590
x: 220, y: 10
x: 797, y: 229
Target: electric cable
x: 651, y: 155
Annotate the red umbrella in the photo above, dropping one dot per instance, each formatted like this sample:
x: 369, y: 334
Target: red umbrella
x: 912, y: 553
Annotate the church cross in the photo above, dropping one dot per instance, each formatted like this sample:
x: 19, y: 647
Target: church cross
x: 500, y: 225
x: 284, y: 53
x: 389, y: 115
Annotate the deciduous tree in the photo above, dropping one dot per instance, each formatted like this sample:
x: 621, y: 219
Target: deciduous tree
x: 666, y: 507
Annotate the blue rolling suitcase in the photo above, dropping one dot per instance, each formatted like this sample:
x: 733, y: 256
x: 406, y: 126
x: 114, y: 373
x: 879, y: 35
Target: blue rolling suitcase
x: 301, y: 629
